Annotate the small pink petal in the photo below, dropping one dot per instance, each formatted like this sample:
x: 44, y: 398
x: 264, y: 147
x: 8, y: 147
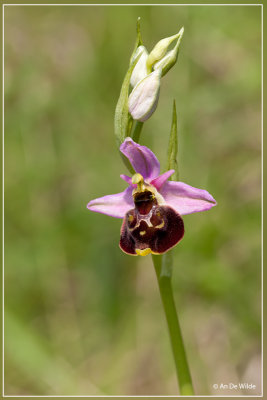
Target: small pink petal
x: 161, y: 179
x: 114, y: 205
x: 142, y: 159
x: 127, y: 179
x: 186, y: 199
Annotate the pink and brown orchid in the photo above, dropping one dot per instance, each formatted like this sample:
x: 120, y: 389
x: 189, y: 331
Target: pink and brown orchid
x: 151, y: 206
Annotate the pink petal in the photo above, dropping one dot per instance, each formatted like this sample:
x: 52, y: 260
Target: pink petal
x: 158, y: 182
x: 142, y: 159
x: 186, y: 199
x: 127, y: 179
x: 115, y: 205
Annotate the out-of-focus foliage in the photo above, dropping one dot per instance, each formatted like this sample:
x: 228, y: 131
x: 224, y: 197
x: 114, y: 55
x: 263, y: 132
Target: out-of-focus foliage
x: 81, y: 317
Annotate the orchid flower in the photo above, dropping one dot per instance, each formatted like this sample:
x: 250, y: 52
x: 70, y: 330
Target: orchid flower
x: 151, y: 206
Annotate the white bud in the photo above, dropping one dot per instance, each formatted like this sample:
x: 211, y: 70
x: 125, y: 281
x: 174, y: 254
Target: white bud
x: 144, y: 97
x: 140, y: 70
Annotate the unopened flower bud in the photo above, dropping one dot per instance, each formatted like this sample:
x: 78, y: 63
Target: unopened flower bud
x: 161, y: 48
x: 143, y: 99
x: 140, y: 70
x: 168, y: 61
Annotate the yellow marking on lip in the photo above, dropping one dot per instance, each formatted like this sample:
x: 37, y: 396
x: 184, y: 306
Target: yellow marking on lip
x: 142, y: 233
x: 144, y: 252
x: 130, y: 218
x: 160, y: 225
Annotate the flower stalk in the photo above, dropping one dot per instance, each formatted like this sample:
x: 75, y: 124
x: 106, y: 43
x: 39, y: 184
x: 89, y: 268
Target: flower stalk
x: 166, y: 294
x: 163, y: 266
x: 137, y: 131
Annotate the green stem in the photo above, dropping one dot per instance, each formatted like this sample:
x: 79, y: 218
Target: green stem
x: 137, y: 131
x: 166, y: 293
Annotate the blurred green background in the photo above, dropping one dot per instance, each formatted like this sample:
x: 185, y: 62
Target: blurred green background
x: 81, y: 317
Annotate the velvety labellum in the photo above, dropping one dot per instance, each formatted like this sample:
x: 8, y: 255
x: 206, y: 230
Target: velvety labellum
x: 149, y: 227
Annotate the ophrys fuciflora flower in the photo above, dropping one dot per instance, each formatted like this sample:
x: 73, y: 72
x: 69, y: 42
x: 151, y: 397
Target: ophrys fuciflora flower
x: 151, y: 206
